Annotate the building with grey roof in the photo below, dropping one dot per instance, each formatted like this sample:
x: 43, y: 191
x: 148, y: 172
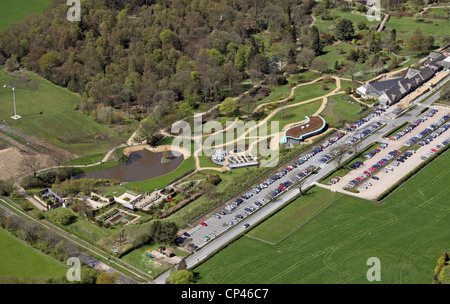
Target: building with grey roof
x: 391, y: 91
x: 446, y: 63
x: 376, y: 89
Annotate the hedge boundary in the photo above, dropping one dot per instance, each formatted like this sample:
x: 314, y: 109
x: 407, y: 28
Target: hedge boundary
x: 417, y: 169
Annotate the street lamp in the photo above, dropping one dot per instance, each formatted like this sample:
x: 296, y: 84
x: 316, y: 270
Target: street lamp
x: 15, y: 116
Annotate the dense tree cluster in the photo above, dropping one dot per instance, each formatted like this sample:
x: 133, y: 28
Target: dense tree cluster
x: 156, y: 231
x: 158, y: 56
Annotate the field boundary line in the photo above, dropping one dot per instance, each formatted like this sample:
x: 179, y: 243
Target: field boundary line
x: 298, y: 228
x: 261, y: 240
x: 309, y: 220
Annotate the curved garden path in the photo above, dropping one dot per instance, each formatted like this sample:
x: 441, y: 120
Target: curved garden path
x: 131, y: 146
x: 277, y: 136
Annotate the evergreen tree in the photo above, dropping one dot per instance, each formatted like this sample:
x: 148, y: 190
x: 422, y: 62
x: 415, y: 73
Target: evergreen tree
x: 344, y: 29
x: 316, y: 44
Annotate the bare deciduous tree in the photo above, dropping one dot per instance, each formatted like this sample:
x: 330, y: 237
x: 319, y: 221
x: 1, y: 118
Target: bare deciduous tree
x: 339, y: 153
x: 31, y: 164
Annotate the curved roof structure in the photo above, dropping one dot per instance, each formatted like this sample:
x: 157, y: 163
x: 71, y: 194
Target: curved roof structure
x: 313, y: 126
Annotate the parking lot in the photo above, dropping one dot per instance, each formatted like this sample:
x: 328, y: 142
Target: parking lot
x: 235, y: 213
x: 390, y: 173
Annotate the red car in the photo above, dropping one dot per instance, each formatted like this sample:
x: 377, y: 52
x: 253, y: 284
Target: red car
x: 203, y: 224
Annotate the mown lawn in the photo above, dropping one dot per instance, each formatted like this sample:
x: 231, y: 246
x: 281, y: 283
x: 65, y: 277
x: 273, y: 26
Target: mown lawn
x: 59, y: 123
x: 407, y: 233
x: 294, y: 114
x: 314, y: 90
x: 340, y: 109
x: 162, y: 181
x: 19, y: 260
x: 16, y: 11
x: 86, y: 160
x: 282, y: 91
x: 406, y: 25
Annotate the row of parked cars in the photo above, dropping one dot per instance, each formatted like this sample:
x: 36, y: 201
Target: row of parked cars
x: 364, y: 133
x: 359, y: 123
x: 436, y: 133
x: 371, y: 170
x: 372, y: 153
x: 300, y: 161
x: 321, y: 148
x: 408, y: 129
x: 238, y: 217
x: 428, y: 139
x: 437, y: 148
x: 283, y: 186
x: 413, y: 125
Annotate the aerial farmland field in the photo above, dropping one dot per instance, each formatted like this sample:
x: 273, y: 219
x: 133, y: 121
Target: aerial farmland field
x: 333, y: 247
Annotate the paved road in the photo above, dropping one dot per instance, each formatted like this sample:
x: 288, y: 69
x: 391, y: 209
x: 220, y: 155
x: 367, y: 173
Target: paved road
x: 221, y: 235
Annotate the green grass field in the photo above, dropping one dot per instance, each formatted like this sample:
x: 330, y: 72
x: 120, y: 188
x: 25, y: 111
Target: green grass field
x: 294, y: 114
x: 406, y: 25
x: 407, y: 232
x: 162, y: 181
x: 19, y: 260
x: 339, y: 109
x: 16, y: 11
x: 311, y: 91
x: 59, y: 123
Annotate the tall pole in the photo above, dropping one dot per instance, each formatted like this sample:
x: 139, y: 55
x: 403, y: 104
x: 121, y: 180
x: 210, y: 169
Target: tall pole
x: 15, y: 112
x: 14, y: 99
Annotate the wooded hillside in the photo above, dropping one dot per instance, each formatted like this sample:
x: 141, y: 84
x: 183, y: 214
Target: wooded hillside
x: 164, y: 56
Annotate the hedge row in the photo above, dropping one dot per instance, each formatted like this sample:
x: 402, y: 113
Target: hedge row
x: 412, y: 173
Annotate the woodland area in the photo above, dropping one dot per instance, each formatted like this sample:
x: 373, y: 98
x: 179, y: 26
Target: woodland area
x: 165, y: 57
x: 170, y: 58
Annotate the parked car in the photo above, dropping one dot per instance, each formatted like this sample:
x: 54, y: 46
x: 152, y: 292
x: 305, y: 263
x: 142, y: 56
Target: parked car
x: 203, y: 224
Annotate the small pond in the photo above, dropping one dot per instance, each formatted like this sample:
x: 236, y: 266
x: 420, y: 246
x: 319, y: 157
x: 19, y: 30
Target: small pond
x: 141, y: 165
